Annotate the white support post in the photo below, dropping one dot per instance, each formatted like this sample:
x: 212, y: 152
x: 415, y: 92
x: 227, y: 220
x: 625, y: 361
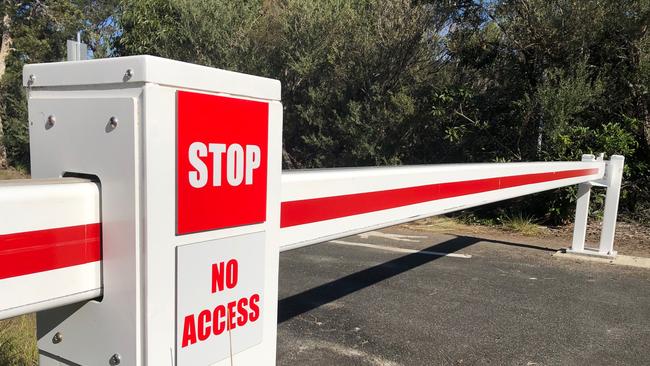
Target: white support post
x: 613, y: 177
x: 611, y: 181
x: 582, y: 212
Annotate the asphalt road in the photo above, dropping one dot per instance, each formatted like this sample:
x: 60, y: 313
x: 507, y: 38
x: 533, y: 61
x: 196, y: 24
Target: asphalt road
x: 509, y: 304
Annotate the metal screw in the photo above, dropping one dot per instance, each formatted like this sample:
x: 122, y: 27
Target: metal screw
x: 51, y: 120
x: 58, y: 337
x: 113, y: 122
x: 128, y: 74
x: 32, y: 79
x: 115, y: 359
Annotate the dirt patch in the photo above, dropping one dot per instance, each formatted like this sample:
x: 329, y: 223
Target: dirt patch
x: 12, y: 173
x: 18, y: 341
x: 630, y: 239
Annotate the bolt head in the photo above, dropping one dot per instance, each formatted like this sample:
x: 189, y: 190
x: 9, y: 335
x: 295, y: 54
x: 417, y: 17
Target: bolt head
x: 51, y: 120
x: 115, y: 360
x: 58, y: 338
x: 32, y: 78
x: 113, y: 122
x: 128, y: 74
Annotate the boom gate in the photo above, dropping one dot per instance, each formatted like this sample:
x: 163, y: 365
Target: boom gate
x: 151, y: 232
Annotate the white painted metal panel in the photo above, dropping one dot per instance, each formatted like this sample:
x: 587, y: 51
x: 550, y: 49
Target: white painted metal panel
x: 135, y: 163
x: 50, y: 289
x: 159, y: 128
x: 313, y: 183
x: 219, y: 306
x: 39, y: 204
x: 80, y: 142
x: 149, y: 69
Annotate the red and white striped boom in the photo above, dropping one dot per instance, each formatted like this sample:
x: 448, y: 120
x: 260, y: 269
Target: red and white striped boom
x: 50, y: 230
x: 50, y: 244
x: 320, y: 205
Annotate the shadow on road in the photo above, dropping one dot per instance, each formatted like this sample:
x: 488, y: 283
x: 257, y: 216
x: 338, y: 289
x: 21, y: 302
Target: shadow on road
x: 303, y: 302
x: 518, y: 245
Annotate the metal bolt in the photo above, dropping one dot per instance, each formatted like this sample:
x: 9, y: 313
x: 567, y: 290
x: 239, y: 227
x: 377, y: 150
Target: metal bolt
x: 115, y: 359
x: 32, y: 79
x: 51, y: 120
x: 128, y: 74
x: 58, y: 337
x: 113, y: 122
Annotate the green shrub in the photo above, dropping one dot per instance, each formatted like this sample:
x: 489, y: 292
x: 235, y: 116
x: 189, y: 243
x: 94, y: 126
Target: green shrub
x: 18, y: 341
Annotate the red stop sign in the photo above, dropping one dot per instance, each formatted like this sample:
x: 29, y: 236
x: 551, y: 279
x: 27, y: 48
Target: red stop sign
x: 221, y: 158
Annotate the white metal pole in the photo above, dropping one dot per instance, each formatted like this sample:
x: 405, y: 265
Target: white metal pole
x: 78, y: 47
x: 613, y: 176
x: 582, y: 212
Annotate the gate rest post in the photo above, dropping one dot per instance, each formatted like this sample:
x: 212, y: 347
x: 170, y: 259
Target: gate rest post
x: 612, y: 183
x: 187, y: 159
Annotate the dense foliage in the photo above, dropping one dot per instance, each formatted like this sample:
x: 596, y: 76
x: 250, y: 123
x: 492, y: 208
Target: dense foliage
x: 36, y: 31
x: 371, y: 82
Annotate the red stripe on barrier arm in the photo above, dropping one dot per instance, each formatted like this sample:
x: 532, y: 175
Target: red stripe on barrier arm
x: 307, y: 211
x: 44, y: 250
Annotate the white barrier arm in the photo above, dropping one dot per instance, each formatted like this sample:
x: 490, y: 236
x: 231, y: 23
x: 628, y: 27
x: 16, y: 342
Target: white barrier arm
x: 50, y: 244
x: 320, y: 205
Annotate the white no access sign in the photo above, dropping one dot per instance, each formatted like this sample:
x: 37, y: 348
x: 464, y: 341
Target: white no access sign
x: 219, y: 298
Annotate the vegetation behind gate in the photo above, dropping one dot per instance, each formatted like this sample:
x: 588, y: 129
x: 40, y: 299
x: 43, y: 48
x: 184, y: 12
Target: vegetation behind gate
x: 376, y: 82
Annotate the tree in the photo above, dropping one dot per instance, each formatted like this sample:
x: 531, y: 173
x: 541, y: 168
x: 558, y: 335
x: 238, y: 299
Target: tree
x: 36, y: 31
x: 346, y: 67
x: 390, y: 81
x: 554, y: 79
